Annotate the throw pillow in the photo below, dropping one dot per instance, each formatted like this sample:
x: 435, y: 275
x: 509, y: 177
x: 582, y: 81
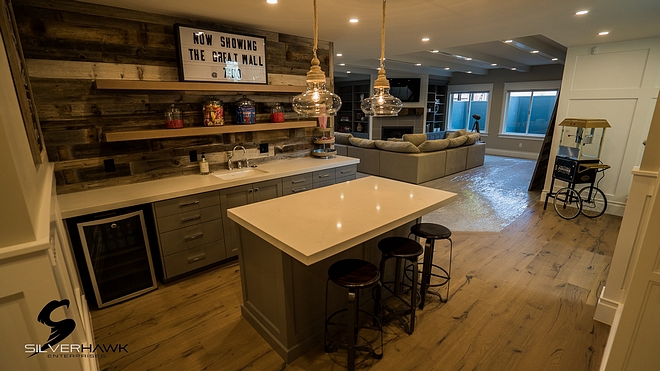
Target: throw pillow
x: 415, y: 139
x: 405, y: 147
x: 363, y: 143
x: 456, y: 142
x: 472, y: 138
x: 342, y: 138
x: 457, y: 133
x: 434, y: 145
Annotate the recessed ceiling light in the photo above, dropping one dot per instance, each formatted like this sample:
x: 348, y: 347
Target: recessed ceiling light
x: 493, y: 64
x: 418, y: 64
x: 603, y: 33
x: 271, y: 1
x: 342, y: 64
x: 582, y: 12
x: 348, y: 71
x: 353, y: 20
x: 446, y: 68
x: 469, y: 71
x: 508, y: 41
x: 339, y: 54
x: 534, y: 51
x: 435, y: 51
x: 555, y: 59
x: 426, y: 39
x: 513, y: 69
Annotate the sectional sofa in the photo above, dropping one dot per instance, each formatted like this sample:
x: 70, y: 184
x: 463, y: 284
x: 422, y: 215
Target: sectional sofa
x: 414, y: 159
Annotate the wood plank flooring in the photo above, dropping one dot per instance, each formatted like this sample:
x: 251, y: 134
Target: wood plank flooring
x: 521, y: 299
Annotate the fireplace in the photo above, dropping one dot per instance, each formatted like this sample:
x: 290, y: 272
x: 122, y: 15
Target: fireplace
x: 395, y: 131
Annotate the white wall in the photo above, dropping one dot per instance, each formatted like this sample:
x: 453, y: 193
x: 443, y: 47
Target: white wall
x: 618, y: 82
x: 21, y: 182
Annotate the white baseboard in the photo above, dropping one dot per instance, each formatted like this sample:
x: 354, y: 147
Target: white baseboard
x: 605, y: 309
x: 508, y: 153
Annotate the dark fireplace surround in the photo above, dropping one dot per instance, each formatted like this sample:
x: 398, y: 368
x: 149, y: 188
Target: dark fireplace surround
x: 395, y: 131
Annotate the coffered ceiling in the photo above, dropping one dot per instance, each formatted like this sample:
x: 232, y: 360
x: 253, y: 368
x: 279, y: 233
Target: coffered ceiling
x: 465, y: 36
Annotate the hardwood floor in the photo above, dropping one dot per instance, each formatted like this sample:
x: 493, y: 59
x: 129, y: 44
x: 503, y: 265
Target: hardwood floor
x: 521, y: 299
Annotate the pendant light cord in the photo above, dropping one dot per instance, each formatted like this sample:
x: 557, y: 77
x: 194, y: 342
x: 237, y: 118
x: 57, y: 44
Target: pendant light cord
x: 316, y: 30
x: 382, y: 38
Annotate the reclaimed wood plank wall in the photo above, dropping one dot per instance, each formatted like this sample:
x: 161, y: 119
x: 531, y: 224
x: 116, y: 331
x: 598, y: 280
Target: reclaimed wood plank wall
x: 69, y: 44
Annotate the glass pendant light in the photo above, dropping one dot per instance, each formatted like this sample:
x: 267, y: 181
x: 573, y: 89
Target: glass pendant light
x: 316, y: 100
x: 381, y: 103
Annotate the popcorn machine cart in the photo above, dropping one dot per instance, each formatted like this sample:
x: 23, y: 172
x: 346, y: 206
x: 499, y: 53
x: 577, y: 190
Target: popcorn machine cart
x: 578, y: 162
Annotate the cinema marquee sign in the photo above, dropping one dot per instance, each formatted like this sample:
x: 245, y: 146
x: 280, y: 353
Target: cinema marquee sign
x: 220, y: 56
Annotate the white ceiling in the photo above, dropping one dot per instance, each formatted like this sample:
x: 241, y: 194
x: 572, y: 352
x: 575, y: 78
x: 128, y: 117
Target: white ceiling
x: 469, y: 28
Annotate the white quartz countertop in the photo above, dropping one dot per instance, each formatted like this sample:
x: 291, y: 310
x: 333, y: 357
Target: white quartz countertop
x: 109, y: 198
x: 311, y: 226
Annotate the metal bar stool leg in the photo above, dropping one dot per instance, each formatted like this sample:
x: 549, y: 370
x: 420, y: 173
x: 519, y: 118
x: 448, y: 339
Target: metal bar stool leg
x: 426, y: 271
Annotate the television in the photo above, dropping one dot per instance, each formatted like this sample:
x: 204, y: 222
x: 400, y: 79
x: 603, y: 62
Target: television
x: 406, y: 89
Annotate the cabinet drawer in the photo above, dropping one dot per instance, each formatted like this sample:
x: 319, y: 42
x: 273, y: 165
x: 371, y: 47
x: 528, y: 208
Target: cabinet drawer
x: 188, y: 237
x: 323, y: 176
x: 346, y: 171
x: 297, y: 181
x: 294, y: 190
x: 197, y: 257
x: 187, y: 203
x: 185, y: 219
x: 324, y: 184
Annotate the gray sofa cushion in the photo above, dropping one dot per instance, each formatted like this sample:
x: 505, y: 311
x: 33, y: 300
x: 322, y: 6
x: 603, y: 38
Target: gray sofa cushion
x: 472, y: 139
x: 456, y: 142
x: 405, y: 147
x: 415, y: 139
x: 342, y: 138
x: 362, y: 143
x: 434, y: 145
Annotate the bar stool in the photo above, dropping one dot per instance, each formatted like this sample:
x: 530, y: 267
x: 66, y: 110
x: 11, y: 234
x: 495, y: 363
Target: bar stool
x: 432, y: 232
x: 402, y: 249
x: 353, y: 274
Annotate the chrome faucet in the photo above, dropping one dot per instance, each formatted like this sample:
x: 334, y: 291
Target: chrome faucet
x: 247, y: 164
x: 229, y: 157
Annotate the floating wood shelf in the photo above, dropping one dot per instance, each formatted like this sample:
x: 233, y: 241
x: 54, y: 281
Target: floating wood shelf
x: 107, y: 84
x: 120, y: 136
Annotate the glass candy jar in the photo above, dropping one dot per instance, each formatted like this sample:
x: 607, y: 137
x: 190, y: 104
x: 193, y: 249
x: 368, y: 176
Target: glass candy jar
x: 277, y: 113
x: 213, y: 113
x: 173, y: 118
x: 245, y: 111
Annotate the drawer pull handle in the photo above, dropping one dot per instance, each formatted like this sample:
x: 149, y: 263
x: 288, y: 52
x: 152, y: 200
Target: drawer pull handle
x: 196, y: 258
x: 347, y: 171
x: 324, y: 176
x: 189, y: 203
x: 194, y: 236
x: 256, y: 189
x: 183, y: 220
x: 299, y: 189
x: 298, y: 181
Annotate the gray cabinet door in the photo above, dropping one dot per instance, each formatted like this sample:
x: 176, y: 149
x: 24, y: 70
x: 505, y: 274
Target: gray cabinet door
x: 243, y: 195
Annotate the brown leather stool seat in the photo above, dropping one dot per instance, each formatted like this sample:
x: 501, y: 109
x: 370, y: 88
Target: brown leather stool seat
x: 355, y: 275
x: 402, y: 249
x: 432, y: 232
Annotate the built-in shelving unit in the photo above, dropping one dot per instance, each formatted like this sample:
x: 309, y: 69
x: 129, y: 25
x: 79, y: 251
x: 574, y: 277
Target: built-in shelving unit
x: 436, y: 108
x: 350, y: 118
x: 106, y: 84
x: 119, y: 136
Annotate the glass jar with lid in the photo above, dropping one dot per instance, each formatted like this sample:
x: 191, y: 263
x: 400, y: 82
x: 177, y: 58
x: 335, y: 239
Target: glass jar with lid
x: 213, y: 112
x: 173, y: 118
x: 245, y: 111
x: 277, y: 113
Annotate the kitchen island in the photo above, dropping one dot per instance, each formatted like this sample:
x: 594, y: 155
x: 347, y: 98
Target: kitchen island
x: 288, y: 243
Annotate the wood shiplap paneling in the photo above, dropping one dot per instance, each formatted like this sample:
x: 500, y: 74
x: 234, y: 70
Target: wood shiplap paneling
x: 68, y: 45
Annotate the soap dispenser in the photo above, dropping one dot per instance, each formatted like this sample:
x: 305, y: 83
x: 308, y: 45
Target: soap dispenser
x: 203, y: 165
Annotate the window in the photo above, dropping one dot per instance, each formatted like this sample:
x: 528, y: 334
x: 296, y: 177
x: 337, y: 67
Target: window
x: 463, y: 105
x: 529, y: 112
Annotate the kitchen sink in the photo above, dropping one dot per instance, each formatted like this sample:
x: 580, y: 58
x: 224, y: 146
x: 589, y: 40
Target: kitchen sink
x: 238, y: 173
